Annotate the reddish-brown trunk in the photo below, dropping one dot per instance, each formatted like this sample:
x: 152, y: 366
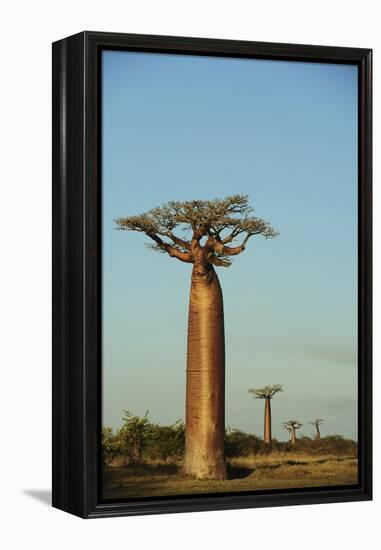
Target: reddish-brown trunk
x: 205, y: 386
x: 267, y: 431
x: 293, y: 436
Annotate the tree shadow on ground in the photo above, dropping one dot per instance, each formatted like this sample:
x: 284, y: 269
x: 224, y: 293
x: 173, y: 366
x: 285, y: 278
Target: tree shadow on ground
x: 239, y: 472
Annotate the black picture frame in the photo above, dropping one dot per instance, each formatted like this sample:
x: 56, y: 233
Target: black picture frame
x: 77, y: 275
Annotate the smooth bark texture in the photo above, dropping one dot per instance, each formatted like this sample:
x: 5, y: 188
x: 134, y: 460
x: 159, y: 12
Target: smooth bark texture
x: 205, y: 385
x: 267, y: 430
x: 293, y: 436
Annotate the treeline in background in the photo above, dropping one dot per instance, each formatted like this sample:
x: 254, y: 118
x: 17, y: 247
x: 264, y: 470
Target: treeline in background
x: 139, y: 440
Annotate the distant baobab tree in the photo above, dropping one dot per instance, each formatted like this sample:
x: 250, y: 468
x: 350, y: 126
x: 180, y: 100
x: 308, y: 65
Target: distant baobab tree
x: 212, y: 226
x: 291, y: 426
x: 266, y: 393
x: 317, y: 423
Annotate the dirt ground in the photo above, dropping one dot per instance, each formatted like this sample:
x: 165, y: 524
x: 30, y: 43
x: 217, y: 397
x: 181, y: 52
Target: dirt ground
x: 255, y: 473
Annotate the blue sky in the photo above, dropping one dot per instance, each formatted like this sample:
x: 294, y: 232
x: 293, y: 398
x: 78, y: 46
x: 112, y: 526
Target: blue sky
x: 285, y: 133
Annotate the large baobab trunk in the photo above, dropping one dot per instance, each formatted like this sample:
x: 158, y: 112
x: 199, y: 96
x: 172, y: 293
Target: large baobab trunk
x: 267, y: 431
x: 205, y: 386
x: 293, y: 436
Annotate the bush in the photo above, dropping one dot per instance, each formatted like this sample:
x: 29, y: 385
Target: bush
x: 133, y: 435
x: 238, y: 443
x: 138, y: 440
x: 329, y: 445
x: 166, y: 442
x: 110, y: 445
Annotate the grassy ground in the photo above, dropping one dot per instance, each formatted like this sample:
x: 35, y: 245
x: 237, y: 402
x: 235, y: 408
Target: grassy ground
x: 253, y: 473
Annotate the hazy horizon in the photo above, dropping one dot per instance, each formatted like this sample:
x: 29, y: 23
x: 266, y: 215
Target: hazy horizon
x: 179, y: 127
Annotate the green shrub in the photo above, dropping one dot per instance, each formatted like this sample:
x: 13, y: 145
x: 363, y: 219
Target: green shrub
x: 238, y: 443
x: 110, y: 445
x: 133, y: 436
x: 166, y: 442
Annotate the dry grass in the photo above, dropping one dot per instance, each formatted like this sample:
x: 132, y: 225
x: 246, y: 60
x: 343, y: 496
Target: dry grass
x: 251, y: 473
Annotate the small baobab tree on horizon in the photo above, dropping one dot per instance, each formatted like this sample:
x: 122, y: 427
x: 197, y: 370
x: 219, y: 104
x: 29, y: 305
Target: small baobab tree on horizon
x: 266, y: 393
x: 317, y: 423
x: 291, y: 426
x: 210, y: 226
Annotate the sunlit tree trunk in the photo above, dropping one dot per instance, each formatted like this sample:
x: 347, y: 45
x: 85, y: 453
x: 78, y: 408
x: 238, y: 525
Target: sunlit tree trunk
x: 293, y: 436
x: 267, y: 430
x: 205, y: 385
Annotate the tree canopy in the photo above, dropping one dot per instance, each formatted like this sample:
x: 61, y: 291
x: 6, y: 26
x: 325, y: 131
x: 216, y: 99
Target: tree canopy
x: 267, y: 392
x: 292, y: 425
x: 316, y: 422
x: 199, y: 231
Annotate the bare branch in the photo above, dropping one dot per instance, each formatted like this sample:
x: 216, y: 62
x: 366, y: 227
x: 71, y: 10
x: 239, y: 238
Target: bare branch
x: 232, y: 236
x: 233, y: 251
x: 177, y: 240
x: 171, y: 250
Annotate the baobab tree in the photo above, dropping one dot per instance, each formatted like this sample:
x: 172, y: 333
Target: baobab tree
x: 266, y: 393
x: 317, y: 423
x: 291, y: 426
x: 210, y: 228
